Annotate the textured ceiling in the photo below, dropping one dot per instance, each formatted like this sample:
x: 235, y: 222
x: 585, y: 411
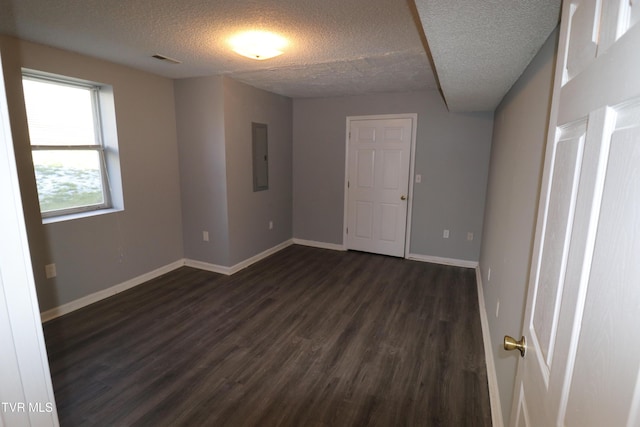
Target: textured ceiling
x: 337, y: 47
x: 480, y: 48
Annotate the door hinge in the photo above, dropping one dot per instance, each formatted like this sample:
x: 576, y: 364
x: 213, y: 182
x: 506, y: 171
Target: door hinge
x: 347, y: 230
x: 348, y: 184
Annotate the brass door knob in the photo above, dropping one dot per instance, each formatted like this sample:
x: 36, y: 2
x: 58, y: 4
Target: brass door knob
x: 511, y: 344
x: 403, y: 197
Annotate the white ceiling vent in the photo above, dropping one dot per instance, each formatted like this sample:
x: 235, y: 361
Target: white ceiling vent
x: 166, y: 59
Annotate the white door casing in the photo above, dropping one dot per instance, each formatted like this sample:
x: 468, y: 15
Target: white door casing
x: 377, y: 190
x: 582, y: 363
x: 26, y: 392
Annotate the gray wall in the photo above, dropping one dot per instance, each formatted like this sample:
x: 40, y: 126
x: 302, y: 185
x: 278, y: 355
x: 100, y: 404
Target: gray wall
x: 214, y: 116
x: 250, y: 212
x: 452, y: 154
x: 203, y: 171
x: 98, y: 252
x: 520, y: 130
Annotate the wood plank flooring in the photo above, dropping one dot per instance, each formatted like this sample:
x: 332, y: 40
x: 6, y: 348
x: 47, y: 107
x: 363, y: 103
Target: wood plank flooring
x: 306, y: 337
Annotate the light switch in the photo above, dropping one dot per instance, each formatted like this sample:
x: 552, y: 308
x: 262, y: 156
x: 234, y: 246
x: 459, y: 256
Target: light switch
x: 418, y: 178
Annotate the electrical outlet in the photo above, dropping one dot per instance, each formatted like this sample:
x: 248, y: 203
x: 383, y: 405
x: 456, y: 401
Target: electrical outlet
x: 270, y: 225
x: 205, y: 236
x: 50, y: 271
x: 445, y: 234
x: 469, y: 236
x: 418, y: 178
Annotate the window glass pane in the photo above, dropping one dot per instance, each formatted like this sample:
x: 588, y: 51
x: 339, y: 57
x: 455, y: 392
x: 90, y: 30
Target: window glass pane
x: 59, y: 114
x: 68, y: 179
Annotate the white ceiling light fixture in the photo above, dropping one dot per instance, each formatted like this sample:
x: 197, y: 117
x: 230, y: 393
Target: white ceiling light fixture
x: 258, y: 45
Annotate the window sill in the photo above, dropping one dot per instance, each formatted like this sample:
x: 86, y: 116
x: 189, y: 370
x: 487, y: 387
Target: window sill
x: 79, y: 215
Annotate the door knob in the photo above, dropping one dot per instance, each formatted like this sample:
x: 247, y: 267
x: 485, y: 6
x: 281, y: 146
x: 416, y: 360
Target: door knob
x: 511, y: 344
x: 403, y: 197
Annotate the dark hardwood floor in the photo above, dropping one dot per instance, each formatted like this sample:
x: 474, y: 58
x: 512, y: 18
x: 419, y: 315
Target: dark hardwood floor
x: 306, y: 337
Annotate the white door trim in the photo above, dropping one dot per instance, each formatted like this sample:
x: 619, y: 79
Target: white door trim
x: 414, y: 127
x: 24, y: 367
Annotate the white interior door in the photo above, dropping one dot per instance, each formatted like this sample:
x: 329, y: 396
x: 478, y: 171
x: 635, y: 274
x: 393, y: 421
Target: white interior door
x: 379, y: 158
x: 582, y: 362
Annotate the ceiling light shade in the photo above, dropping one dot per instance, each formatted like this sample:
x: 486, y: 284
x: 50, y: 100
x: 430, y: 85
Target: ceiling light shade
x: 258, y: 45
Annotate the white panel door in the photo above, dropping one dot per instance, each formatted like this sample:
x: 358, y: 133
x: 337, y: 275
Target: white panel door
x: 379, y: 154
x: 582, y: 361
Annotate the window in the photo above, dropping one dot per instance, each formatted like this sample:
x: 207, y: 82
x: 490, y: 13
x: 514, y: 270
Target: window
x: 66, y: 144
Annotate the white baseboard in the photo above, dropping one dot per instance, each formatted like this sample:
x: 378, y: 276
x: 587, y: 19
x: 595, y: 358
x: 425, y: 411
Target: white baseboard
x: 106, y: 293
x: 443, y: 261
x: 492, y: 379
x: 228, y: 271
x: 206, y: 266
x: 262, y: 255
x: 321, y: 245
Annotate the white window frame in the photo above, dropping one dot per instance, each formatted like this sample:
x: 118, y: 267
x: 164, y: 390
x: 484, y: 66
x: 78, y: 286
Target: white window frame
x: 99, y: 146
